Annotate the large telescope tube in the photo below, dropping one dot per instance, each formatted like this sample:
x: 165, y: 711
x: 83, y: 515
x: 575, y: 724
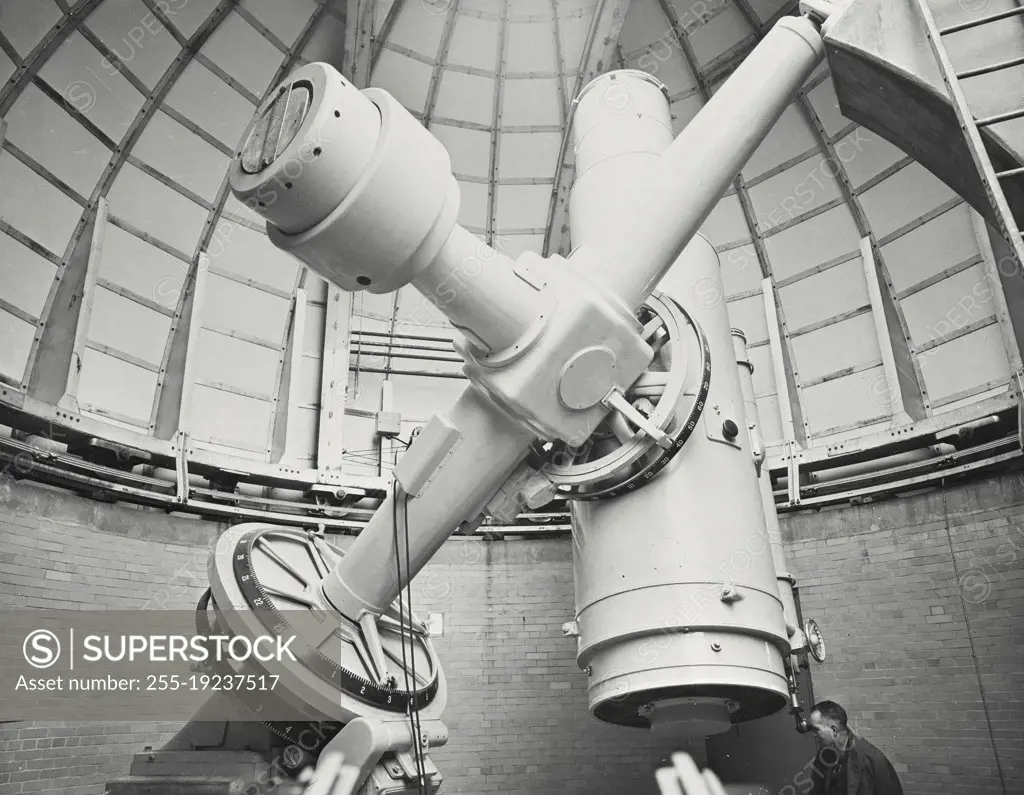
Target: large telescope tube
x: 680, y: 622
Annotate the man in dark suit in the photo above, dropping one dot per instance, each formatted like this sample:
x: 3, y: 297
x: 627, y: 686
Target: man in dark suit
x: 849, y: 764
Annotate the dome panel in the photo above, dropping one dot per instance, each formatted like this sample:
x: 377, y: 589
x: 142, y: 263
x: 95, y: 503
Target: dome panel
x: 837, y: 404
x: 760, y: 356
x: 645, y: 23
x: 39, y: 127
x: 683, y: 111
x: 418, y: 399
x: 930, y: 248
x: 126, y: 326
x: 741, y: 270
x: 465, y: 97
x: 111, y: 385
x: 419, y: 28
x: 77, y: 71
x: 531, y: 47
x: 285, y: 20
x: 863, y: 155
x: 522, y: 206
x: 135, y: 35
x: 747, y: 314
x: 154, y: 208
x: 812, y: 242
x: 360, y: 445
x: 189, y: 15
x: 237, y: 208
x: 364, y: 391
x: 826, y: 107
x: 26, y: 24
x: 17, y: 336
x: 473, y: 209
x: 765, y: 10
x: 327, y: 43
x: 224, y: 418
x: 470, y: 150
x: 514, y: 245
x: 418, y: 312
x: 7, y: 67
x: 573, y: 29
x: 726, y: 223
x: 791, y: 136
x: 844, y: 284
x: 720, y: 34
x: 233, y: 307
x: 797, y: 190
x: 24, y: 192
x: 211, y: 103
x: 244, y: 53
x: 141, y: 268
x: 531, y: 102
x: 948, y: 305
x: 182, y: 155
x: 902, y: 198
x: 664, y: 60
x: 25, y: 277
x: 976, y: 359
x: 771, y: 419
x: 474, y: 43
x: 848, y: 343
x: 251, y: 255
x: 238, y: 363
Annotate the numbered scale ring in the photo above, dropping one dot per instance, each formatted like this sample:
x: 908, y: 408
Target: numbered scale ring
x: 629, y: 449
x: 266, y: 580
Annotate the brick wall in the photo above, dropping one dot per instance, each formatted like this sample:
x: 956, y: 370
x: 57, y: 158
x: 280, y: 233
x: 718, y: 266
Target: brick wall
x: 920, y: 599
x: 517, y: 706
x: 922, y: 603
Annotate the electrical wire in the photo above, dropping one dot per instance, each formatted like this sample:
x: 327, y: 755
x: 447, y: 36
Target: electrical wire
x: 415, y: 710
x: 410, y: 688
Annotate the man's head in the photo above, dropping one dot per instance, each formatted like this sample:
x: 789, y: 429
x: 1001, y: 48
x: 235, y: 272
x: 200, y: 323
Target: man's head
x: 828, y: 724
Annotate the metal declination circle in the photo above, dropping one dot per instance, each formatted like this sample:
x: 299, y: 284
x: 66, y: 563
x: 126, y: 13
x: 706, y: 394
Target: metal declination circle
x: 646, y: 428
x: 267, y: 580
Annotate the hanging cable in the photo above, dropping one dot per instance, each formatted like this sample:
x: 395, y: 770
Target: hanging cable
x: 413, y: 709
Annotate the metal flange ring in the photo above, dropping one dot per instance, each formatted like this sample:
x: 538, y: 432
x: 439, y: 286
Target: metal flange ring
x: 612, y: 475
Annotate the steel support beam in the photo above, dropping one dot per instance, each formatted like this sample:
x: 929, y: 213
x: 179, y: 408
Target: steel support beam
x: 286, y: 409
x: 69, y: 400
x: 496, y: 112
x: 54, y: 346
x: 334, y: 383
x: 176, y: 380
x: 888, y: 394
x: 1006, y: 282
x: 785, y: 387
x: 359, y: 19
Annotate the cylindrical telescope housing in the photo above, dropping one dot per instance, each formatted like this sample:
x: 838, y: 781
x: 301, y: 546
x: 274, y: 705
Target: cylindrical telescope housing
x: 785, y: 579
x: 694, y: 172
x: 680, y: 622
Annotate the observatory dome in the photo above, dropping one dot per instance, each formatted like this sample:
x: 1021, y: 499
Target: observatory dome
x: 146, y: 301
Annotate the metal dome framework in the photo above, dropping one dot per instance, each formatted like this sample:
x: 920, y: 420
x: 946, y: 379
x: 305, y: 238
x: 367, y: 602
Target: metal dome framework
x: 159, y: 349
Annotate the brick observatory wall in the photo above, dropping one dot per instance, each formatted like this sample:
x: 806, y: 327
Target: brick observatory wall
x: 517, y: 702
x: 920, y: 598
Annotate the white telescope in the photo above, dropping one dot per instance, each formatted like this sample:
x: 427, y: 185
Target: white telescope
x: 584, y: 383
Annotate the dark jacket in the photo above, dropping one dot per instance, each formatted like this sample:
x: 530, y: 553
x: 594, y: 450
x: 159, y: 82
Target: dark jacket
x: 868, y: 772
